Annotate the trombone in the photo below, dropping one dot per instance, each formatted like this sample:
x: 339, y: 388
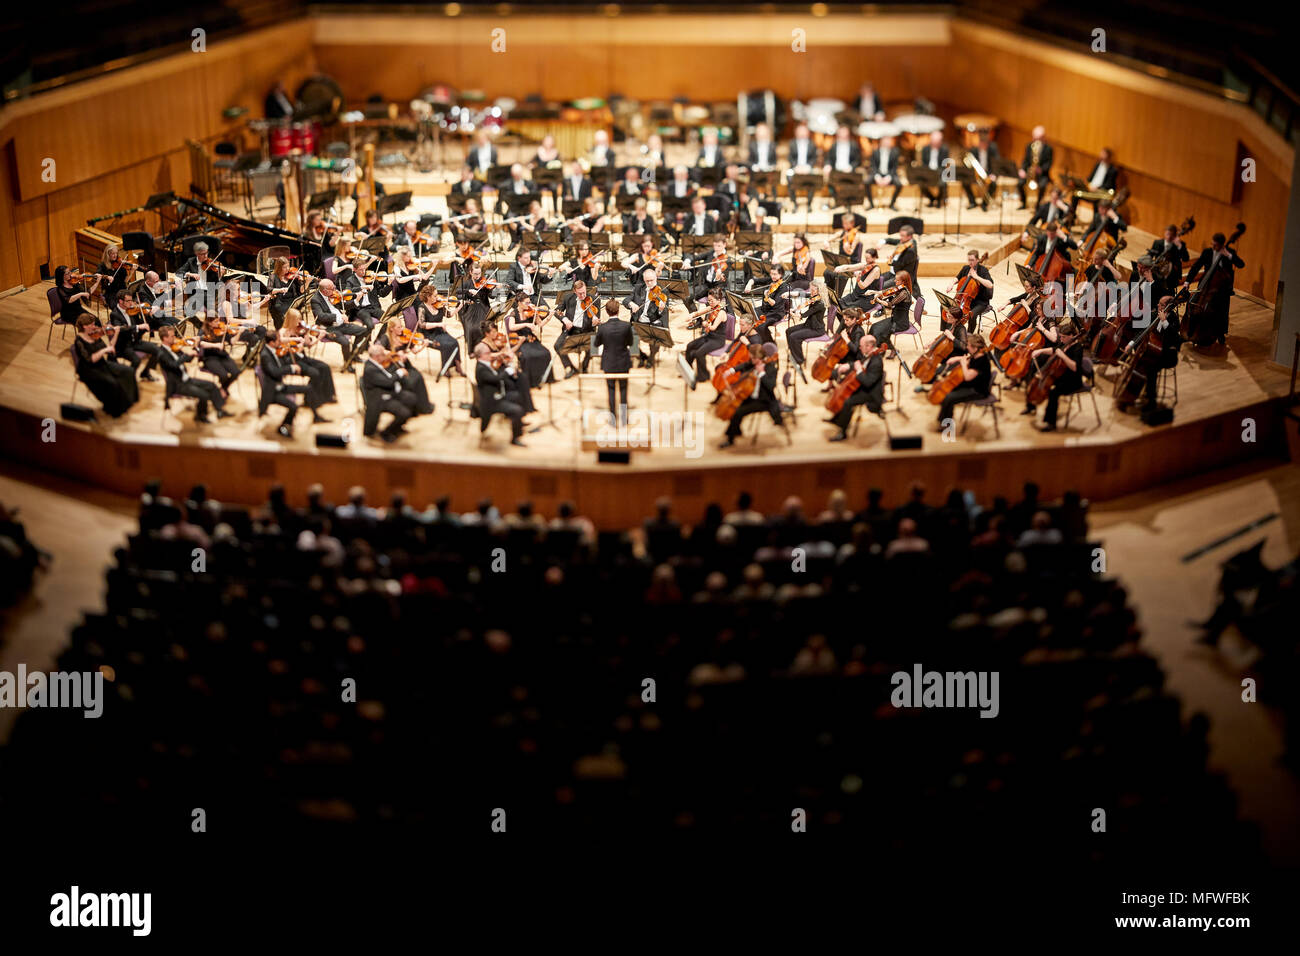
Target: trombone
x: 981, y: 176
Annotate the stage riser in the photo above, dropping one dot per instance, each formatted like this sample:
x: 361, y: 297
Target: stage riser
x: 618, y: 497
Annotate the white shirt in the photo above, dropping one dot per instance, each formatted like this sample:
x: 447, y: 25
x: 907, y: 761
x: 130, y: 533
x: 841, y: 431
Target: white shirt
x: 842, y: 157
x: 709, y: 155
x: 577, y: 185
x: 803, y: 149
x: 697, y: 225
x: 1099, y: 176
x: 761, y: 148
x: 934, y: 157
x: 484, y: 157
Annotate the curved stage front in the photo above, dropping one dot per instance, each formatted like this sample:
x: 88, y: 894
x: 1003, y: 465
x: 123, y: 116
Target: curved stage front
x: 1220, y: 394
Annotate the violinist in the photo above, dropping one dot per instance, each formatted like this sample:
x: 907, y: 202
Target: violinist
x: 644, y: 258
x: 713, y: 328
x: 242, y: 311
x: 802, y: 267
x: 412, y: 239
x: 96, y: 362
x: 294, y: 340
x: 475, y: 293
x: 527, y: 276
x: 1165, y: 326
x: 1067, y: 345
x: 373, y: 225
x: 813, y: 326
x: 582, y: 264
x: 977, y: 378
x: 275, y: 390
x: 763, y: 362
x: 863, y: 283
x: 869, y: 368
x: 580, y: 313
x: 710, y: 277
x: 406, y: 277
x: 1216, y: 260
x: 399, y: 362
x: 639, y: 222
x: 534, y: 358
x: 326, y: 304
x: 493, y: 397
x: 466, y: 255
x: 367, y: 286
x: 214, y: 351
x: 648, y: 303
x: 118, y: 273
x: 850, y: 243
x: 983, y: 299
x: 615, y: 340
x: 382, y: 383
x: 172, y: 358
x: 202, y: 276
x: 432, y: 312
x: 285, y: 285
x: 168, y: 306
x: 132, y: 327
x: 775, y: 303
x: 898, y: 298
x: 73, y: 296
x: 905, y: 257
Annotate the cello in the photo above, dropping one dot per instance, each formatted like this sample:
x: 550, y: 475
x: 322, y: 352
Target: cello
x: 928, y: 364
x: 1051, y: 266
x: 953, y: 378
x: 735, y: 393
x: 850, y: 384
x: 968, y: 288
x: 1199, y: 331
x: 1146, y: 357
x: 1014, y: 321
x: 1015, y: 363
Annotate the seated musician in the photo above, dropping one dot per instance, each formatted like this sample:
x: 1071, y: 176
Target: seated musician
x: 367, y: 288
x: 639, y: 222
x: 644, y: 258
x: 711, y: 277
x: 467, y: 255
x: 468, y: 185
x: 412, y: 240
x: 802, y: 268
x: 934, y: 154
x: 900, y: 292
x: 1052, y: 209
x: 984, y: 300
x: 492, y: 394
x: 579, y: 314
x: 534, y: 357
x: 680, y: 186
x: 710, y: 154
x: 172, y: 358
x: 432, y: 311
x: 803, y: 157
x: 201, y: 275
x: 775, y: 304
x: 548, y: 155
x: 756, y: 222
x: 850, y: 241
x: 1107, y: 220
x: 905, y: 257
x: 118, y: 273
x: 700, y: 221
x: 1045, y: 321
x: 536, y: 221
x: 629, y: 190
x: 110, y: 381
x: 132, y: 327
x: 147, y: 293
x: 863, y: 282
x: 214, y: 354
x: 813, y: 325
x: 764, y: 399
x: 985, y: 152
x: 712, y: 336
x: 844, y: 155
x: 399, y: 362
x: 1094, y: 295
x: 471, y: 220
x: 275, y: 390
x: 1165, y: 325
x: 321, y: 390
x: 1055, y: 241
x: 242, y: 311
x: 870, y: 371
x: 653, y: 167
x: 648, y: 303
x: 475, y: 294
x: 406, y: 276
x: 373, y: 225
x: 978, y: 378
x: 527, y: 276
x: 1067, y: 344
x: 582, y: 264
x: 385, y: 392
x: 960, y: 338
x: 884, y: 171
x: 762, y: 151
x: 168, y: 301
x: 575, y: 186
x: 285, y: 286
x: 1103, y: 178
x: 326, y: 304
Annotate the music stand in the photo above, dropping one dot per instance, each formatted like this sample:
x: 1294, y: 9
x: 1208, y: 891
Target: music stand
x: 803, y: 183
x: 923, y: 177
x: 763, y: 182
x: 698, y: 247
x: 847, y: 188
x: 658, y: 334
x: 754, y: 244
x: 323, y: 200
x: 999, y: 168
x: 398, y: 306
x: 547, y: 180
x: 678, y: 289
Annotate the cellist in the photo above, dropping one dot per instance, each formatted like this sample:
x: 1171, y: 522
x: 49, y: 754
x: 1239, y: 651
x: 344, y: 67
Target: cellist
x: 869, y: 368
x: 1067, y: 346
x: 1054, y: 241
x: 976, y: 378
x: 1165, y: 326
x: 762, y: 360
x: 1217, y: 260
x: 983, y: 299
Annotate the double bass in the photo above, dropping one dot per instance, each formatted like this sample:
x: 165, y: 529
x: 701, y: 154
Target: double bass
x: 1199, y: 330
x: 1051, y: 266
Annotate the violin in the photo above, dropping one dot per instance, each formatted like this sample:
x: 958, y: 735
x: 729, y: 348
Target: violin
x: 658, y: 296
x: 94, y: 332
x: 338, y: 297
x: 850, y: 384
x: 484, y: 283
x: 801, y: 257
x: 850, y: 238
x: 902, y: 247
x: 590, y: 309
x: 528, y: 312
x: 179, y: 345
x: 720, y: 265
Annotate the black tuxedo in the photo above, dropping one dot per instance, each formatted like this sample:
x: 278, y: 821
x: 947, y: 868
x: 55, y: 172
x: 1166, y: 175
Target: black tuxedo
x: 340, y: 329
x: 614, y: 338
x: 764, y: 399
x: 767, y: 161
x: 871, y: 392
x: 493, y: 398
x: 1044, y: 165
x: 986, y: 161
x: 931, y: 155
x: 1108, y: 180
x: 1177, y: 257
x: 179, y: 382
x: 384, y: 392
x: 854, y: 158
x: 574, y: 313
x: 884, y: 162
x: 582, y: 192
x: 811, y: 155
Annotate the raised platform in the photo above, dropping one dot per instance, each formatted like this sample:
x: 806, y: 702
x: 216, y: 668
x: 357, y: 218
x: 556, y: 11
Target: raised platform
x: 240, y: 458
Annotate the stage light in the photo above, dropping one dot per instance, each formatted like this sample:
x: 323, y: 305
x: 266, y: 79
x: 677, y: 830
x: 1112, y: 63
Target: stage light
x: 452, y: 9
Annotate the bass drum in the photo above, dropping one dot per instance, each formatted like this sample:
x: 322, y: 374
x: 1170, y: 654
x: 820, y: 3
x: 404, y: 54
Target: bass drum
x: 320, y: 98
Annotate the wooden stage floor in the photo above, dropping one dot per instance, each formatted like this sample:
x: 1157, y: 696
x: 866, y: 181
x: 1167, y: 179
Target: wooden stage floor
x: 240, y: 457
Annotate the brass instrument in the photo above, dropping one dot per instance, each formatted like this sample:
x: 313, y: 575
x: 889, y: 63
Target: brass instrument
x: 982, y: 177
x: 1035, y: 170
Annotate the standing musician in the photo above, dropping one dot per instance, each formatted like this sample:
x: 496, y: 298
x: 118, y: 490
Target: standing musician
x: 201, y: 275
x: 432, y: 311
x: 400, y: 364
x: 885, y: 160
x: 1052, y: 209
x: 1215, y: 260
x: 580, y: 313
x: 493, y: 396
x: 527, y: 276
x: 132, y: 326
x: 712, y: 325
x: 870, y: 372
x: 905, y: 257
x: 475, y: 293
x: 850, y: 243
x: 119, y: 272
x: 764, y: 360
x: 73, y: 296
x: 1036, y: 166
x: 1067, y: 345
x: 285, y: 285
x: 583, y: 264
x: 325, y: 303
x: 985, y: 152
x: 1171, y: 246
x: 172, y: 357
x: 614, y: 339
x: 1165, y: 326
x: 294, y: 340
x: 933, y: 156
x: 382, y: 384
x: 813, y: 326
x: 983, y: 300
x: 109, y: 381
x: 647, y: 303
x: 978, y: 377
